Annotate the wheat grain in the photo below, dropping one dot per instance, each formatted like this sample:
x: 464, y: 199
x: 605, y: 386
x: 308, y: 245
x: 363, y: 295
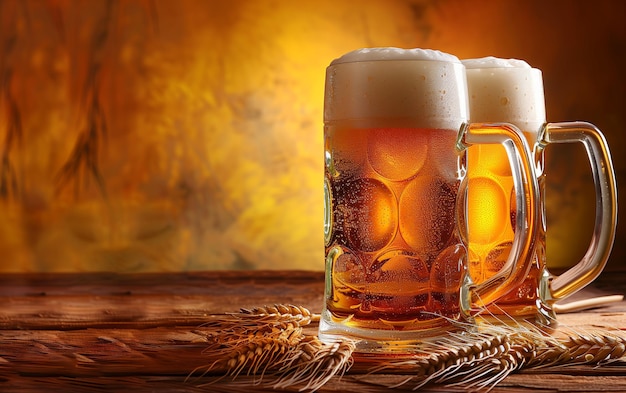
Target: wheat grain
x: 268, y: 342
x: 467, y: 356
x: 314, y: 363
x: 296, y: 313
x: 248, y: 324
x: 582, y: 347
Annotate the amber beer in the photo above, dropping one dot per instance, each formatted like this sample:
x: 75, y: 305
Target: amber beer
x: 395, y: 252
x: 491, y: 215
x: 395, y: 135
x: 512, y: 91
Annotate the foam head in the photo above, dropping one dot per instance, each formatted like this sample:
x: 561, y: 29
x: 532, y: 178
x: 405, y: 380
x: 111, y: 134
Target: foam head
x: 505, y: 90
x: 420, y: 87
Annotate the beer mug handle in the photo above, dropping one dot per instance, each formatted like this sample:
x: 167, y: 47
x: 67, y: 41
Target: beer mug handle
x: 526, y: 189
x: 603, y: 236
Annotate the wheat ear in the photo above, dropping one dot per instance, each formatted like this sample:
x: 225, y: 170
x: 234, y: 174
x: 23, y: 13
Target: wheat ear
x: 582, y: 347
x: 313, y: 363
x: 268, y: 342
x: 268, y: 321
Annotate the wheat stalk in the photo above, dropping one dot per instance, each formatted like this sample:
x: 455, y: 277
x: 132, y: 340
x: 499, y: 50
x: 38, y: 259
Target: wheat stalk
x: 267, y: 321
x: 314, y: 363
x: 463, y: 359
x: 479, y: 360
x: 269, y: 343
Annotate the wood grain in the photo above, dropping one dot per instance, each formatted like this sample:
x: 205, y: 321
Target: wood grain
x: 144, y: 332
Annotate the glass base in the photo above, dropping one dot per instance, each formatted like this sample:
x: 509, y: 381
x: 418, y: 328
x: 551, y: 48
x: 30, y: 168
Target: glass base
x: 539, y: 315
x: 390, y: 341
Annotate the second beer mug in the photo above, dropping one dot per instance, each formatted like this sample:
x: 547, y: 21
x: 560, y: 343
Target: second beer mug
x: 395, y: 138
x: 512, y: 91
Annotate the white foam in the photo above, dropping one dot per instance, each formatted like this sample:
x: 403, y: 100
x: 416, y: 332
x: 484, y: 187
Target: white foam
x: 495, y: 62
x: 391, y: 53
x: 505, y: 90
x: 417, y: 87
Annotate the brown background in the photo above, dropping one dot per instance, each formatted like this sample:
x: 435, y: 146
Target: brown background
x: 183, y: 135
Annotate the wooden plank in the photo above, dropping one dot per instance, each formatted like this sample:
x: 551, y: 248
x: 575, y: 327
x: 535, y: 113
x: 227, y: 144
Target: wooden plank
x: 110, y: 332
x: 516, y: 383
x: 146, y: 300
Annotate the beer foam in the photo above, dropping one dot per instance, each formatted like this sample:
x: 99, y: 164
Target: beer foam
x: 505, y: 90
x: 391, y: 53
x: 411, y: 87
x: 495, y: 62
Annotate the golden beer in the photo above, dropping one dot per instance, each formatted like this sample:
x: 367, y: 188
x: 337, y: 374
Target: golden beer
x: 395, y: 137
x: 393, y: 248
x: 511, y: 91
x: 491, y: 219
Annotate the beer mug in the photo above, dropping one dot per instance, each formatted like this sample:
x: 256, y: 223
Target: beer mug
x: 395, y: 129
x: 512, y: 91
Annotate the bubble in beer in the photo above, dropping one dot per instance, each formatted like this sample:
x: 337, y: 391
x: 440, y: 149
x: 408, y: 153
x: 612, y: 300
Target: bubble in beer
x: 442, y: 152
x: 427, y: 208
x: 397, y: 153
x: 347, y: 150
x: 487, y: 210
x: 370, y: 214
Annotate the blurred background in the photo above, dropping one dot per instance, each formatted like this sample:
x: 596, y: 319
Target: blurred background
x: 157, y: 135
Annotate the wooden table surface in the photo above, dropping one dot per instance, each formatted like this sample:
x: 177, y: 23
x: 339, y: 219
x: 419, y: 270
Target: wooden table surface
x: 138, y: 332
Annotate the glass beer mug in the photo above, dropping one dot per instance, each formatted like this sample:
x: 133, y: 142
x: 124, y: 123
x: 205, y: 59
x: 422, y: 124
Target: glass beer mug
x: 512, y: 91
x: 395, y: 138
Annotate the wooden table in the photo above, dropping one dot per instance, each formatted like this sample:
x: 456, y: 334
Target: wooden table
x: 139, y: 332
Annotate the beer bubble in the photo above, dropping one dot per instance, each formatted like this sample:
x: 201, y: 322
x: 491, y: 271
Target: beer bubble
x: 443, y: 155
x: 397, y: 153
x: 347, y: 151
x: 427, y: 208
x: 370, y: 214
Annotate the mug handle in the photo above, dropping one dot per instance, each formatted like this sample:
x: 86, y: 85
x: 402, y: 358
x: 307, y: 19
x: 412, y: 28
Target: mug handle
x: 594, y: 260
x: 526, y: 188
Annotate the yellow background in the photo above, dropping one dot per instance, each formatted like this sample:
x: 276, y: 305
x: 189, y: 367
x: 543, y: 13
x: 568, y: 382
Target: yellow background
x: 185, y: 135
